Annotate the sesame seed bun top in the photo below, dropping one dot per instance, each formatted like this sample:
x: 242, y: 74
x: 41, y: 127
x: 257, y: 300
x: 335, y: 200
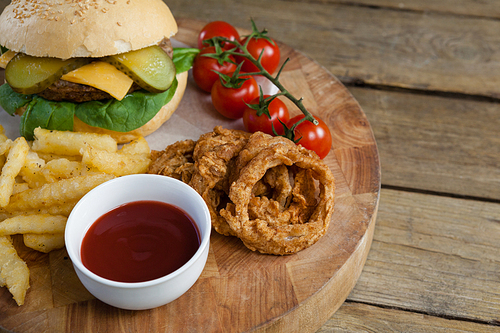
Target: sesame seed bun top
x: 84, y: 28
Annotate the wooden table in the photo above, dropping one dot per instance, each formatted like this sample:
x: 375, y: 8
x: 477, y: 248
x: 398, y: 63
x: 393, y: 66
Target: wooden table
x: 427, y: 76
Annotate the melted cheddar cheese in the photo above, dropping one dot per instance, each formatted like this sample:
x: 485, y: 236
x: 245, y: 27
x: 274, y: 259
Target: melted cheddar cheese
x: 102, y: 76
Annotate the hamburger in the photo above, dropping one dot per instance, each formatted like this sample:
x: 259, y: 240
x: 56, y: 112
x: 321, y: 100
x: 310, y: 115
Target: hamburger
x: 102, y: 66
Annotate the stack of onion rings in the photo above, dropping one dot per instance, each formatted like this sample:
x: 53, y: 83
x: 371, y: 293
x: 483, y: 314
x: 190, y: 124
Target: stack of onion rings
x: 274, y: 195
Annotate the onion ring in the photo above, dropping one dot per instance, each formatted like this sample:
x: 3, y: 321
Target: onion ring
x: 214, y: 156
x: 176, y: 161
x: 274, y: 195
x: 256, y: 228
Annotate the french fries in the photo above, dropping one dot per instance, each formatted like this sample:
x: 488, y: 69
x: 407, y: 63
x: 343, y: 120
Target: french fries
x: 31, y: 172
x: 12, y: 167
x: 19, y: 187
x: 57, y: 193
x: 3, y: 137
x: 70, y: 143
x: 62, y: 168
x: 44, y: 242
x: 14, y: 272
x: 41, y: 182
x: 37, y: 224
x: 5, y: 146
x: 133, y: 158
x: 138, y: 146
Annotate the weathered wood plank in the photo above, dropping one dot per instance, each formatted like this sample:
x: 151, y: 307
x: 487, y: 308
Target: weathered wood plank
x: 415, y: 50
x: 3, y: 3
x: 486, y: 8
x: 434, y: 255
x: 435, y: 143
x: 354, y: 318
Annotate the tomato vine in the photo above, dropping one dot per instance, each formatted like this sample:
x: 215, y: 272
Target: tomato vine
x: 239, y: 48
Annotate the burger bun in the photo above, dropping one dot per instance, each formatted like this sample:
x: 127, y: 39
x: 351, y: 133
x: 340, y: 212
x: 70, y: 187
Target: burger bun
x: 68, y: 29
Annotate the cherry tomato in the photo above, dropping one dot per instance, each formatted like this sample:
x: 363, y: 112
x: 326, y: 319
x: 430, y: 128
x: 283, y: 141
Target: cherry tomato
x: 270, y: 59
x: 230, y: 102
x: 217, y: 29
x: 277, y: 110
x: 204, y: 67
x: 313, y: 137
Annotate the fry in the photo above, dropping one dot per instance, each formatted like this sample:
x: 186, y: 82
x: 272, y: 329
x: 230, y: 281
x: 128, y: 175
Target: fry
x: 115, y: 163
x: 31, y: 172
x: 37, y: 224
x: 64, y: 210
x: 49, y: 157
x: 14, y: 272
x: 15, y: 161
x: 6, y: 250
x: 19, y: 187
x: 44, y: 242
x: 62, y: 168
x: 138, y: 146
x: 70, y: 143
x: 3, y: 137
x: 5, y: 146
x: 58, y: 193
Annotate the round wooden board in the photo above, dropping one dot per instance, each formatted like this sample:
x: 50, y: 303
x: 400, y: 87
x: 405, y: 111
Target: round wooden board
x: 239, y: 290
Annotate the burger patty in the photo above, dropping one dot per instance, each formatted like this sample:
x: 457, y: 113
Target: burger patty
x: 166, y: 46
x: 63, y: 90
x: 74, y: 92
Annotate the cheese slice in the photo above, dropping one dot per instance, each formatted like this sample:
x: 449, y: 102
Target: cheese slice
x: 102, y: 76
x: 6, y: 57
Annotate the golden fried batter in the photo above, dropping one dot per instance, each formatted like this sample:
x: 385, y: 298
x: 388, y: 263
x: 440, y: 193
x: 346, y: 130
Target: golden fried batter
x: 260, y: 222
x: 275, y: 196
x: 175, y: 161
x: 214, y: 157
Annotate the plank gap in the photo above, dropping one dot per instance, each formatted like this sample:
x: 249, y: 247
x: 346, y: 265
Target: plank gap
x: 396, y: 9
x: 414, y: 311
x: 359, y: 83
x: 440, y: 194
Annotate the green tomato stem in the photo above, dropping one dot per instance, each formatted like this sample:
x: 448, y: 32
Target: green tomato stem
x: 275, y: 80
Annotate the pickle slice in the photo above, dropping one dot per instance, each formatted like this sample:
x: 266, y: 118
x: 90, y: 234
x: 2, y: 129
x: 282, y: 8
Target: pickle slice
x: 30, y: 75
x: 151, y: 68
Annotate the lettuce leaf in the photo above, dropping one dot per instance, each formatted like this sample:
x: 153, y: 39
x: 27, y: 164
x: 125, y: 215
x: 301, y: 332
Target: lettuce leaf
x: 132, y: 112
x: 46, y: 114
x: 10, y: 101
x: 183, y: 58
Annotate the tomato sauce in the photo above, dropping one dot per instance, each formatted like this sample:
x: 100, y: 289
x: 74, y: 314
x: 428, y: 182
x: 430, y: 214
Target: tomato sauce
x: 140, y: 241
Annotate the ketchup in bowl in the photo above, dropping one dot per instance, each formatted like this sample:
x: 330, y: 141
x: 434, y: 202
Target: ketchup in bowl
x: 140, y: 241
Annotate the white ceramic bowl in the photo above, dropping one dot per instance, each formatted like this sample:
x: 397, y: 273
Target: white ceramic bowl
x: 103, y: 198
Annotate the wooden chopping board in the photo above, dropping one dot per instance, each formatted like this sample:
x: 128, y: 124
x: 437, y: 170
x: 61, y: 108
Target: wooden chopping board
x: 239, y: 290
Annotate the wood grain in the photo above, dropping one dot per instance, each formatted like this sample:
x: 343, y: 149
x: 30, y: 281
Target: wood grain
x: 427, y: 256
x: 377, y: 46
x: 3, y: 4
x: 376, y: 319
x: 426, y: 46
x: 434, y: 143
x: 239, y: 290
x: 486, y: 8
